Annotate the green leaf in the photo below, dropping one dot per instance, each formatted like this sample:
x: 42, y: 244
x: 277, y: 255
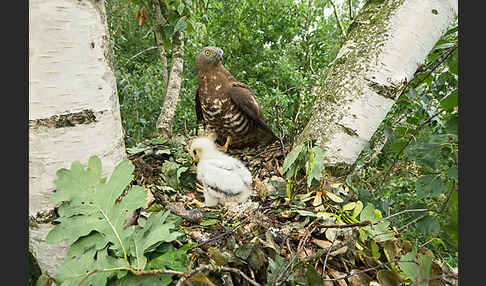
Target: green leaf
x: 452, y: 62
x: 91, y: 218
x: 75, y: 183
x: 155, y: 231
x: 368, y: 213
x: 409, y: 268
x: 452, y: 124
x: 132, y: 280
x: 424, y: 268
x: 179, y: 173
x: 312, y: 277
x: 378, y: 232
x: 429, y: 225
x: 175, y: 259
x: 245, y: 250
x: 291, y: 157
x: 73, y: 270
x: 398, y: 144
x: 180, y: 25
x: 317, y: 165
x: 136, y: 149
x: 450, y: 226
x: 324, y: 215
x: 275, y: 267
x: 357, y: 210
x: 429, y: 185
x: 444, y: 46
x: 334, y: 197
x: 180, y: 8
x: 349, y: 206
x: 450, y: 101
x: 80, y: 246
x: 453, y: 173
x: 209, y: 222
x: 375, y: 250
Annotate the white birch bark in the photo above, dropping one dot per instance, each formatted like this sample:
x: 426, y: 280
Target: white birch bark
x: 73, y: 105
x: 382, y: 51
x: 164, y: 122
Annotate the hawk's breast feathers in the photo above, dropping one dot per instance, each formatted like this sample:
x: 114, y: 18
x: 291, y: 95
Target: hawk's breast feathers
x: 227, y: 106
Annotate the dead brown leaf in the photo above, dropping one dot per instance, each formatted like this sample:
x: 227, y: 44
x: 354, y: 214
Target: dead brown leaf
x: 388, y: 278
x: 341, y: 250
x: 360, y: 279
x: 336, y: 274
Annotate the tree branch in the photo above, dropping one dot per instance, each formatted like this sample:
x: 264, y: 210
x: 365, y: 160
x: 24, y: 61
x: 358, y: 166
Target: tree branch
x: 405, y: 146
x: 160, y: 43
x: 337, y: 19
x: 139, y: 53
x: 350, y: 4
x: 164, y: 122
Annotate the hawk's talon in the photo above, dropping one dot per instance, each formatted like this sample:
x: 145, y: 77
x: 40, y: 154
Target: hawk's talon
x: 196, y: 202
x: 199, y: 188
x: 225, y: 147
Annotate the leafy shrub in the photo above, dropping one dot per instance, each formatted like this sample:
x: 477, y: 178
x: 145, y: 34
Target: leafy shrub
x: 102, y: 251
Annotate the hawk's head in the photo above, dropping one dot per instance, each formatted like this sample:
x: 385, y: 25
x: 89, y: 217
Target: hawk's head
x: 202, y: 146
x: 209, y: 56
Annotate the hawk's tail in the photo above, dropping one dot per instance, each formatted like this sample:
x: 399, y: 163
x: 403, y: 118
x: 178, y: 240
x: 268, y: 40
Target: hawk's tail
x: 267, y: 136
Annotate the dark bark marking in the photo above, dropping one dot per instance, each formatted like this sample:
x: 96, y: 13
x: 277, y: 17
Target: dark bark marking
x: 65, y: 120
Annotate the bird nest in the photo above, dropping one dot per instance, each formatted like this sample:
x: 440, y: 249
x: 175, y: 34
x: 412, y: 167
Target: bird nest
x: 276, y: 238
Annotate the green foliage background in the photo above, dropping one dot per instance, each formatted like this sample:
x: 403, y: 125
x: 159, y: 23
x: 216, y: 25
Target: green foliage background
x: 282, y: 49
x: 265, y: 45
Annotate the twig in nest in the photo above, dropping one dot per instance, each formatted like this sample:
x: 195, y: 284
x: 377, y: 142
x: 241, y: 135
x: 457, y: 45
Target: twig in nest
x: 158, y: 271
x: 327, y: 256
x: 438, y: 277
x: 286, y: 273
x: 220, y: 236
x: 214, y: 268
x: 367, y: 222
x: 366, y: 270
x: 363, y: 223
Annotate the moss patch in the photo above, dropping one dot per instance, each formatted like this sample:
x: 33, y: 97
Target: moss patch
x: 65, y: 120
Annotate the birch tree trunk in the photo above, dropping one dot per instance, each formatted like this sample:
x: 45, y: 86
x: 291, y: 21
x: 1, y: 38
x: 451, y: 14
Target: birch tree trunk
x: 159, y: 42
x: 73, y: 106
x: 164, y: 122
x: 384, y: 47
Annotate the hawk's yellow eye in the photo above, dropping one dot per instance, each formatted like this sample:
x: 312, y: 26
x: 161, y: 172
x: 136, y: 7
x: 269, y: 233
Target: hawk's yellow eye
x: 207, y: 53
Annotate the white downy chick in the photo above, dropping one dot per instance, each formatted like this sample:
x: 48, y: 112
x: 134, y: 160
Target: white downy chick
x: 224, y: 178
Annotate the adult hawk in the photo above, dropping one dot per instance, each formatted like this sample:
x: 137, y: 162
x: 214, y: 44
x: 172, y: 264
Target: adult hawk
x: 224, y: 178
x: 226, y: 106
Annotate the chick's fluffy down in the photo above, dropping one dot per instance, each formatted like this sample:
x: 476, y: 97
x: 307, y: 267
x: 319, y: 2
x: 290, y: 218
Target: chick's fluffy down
x: 224, y: 178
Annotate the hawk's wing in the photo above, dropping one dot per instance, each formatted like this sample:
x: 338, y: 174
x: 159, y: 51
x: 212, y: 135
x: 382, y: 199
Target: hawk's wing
x: 199, y: 114
x: 226, y: 175
x: 243, y: 97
